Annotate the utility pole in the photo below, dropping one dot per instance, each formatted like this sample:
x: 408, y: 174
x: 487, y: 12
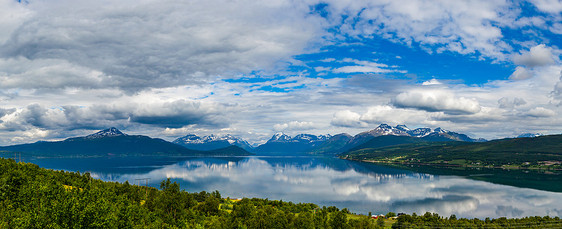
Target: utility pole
x: 17, y: 157
x: 138, y: 180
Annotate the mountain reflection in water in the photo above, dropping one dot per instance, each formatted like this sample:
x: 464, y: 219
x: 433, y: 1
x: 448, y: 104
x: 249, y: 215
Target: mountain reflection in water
x: 360, y: 187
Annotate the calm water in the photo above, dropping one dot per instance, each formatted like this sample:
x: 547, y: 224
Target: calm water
x: 360, y: 187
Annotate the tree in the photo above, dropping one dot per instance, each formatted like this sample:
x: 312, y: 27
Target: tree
x: 338, y: 220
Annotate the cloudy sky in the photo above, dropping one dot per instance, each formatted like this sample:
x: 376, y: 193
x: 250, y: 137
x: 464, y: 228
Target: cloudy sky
x: 487, y: 68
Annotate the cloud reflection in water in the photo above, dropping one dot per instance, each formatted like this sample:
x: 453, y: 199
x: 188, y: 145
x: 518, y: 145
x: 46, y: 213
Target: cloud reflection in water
x: 359, y: 187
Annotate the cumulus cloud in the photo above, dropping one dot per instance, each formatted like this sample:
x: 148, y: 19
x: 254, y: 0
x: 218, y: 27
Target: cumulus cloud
x: 539, y: 55
x: 150, y: 65
x: 166, y: 114
x: 294, y: 125
x: 461, y: 27
x: 436, y: 101
x: 347, y: 118
x: 135, y: 45
x: 179, y: 113
x: 520, y: 74
x: 505, y: 102
x: 486, y: 116
x: 540, y: 112
x: 24, y: 73
x: 549, y: 6
x: 390, y: 115
x: 5, y: 111
x: 431, y: 82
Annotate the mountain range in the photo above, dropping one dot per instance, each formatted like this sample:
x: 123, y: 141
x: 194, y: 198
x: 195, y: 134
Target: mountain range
x: 378, y: 137
x: 284, y: 143
x: 211, y: 142
x: 112, y: 142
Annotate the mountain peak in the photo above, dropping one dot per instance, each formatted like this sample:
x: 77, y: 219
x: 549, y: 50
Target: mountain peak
x: 211, y: 142
x: 384, y: 126
x: 280, y: 137
x: 529, y: 135
x: 111, y: 132
x: 439, y: 130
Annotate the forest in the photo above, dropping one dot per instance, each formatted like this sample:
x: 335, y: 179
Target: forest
x: 544, y: 152
x: 33, y: 197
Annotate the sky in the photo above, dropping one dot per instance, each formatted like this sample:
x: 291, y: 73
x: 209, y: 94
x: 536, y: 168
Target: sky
x: 487, y: 68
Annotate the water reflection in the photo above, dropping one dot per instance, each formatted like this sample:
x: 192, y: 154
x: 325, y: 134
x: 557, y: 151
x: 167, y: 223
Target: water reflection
x: 328, y: 181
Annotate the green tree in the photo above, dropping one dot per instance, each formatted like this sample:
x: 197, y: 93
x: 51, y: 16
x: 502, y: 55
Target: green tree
x: 338, y: 220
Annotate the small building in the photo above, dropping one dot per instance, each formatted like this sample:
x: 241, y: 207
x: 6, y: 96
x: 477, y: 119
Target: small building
x: 378, y: 216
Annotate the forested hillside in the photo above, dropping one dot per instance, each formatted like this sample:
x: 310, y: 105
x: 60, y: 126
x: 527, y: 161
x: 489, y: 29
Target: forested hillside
x: 544, y: 151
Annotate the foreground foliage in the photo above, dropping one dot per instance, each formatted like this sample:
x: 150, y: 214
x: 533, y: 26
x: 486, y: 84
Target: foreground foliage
x: 32, y: 197
x: 429, y: 220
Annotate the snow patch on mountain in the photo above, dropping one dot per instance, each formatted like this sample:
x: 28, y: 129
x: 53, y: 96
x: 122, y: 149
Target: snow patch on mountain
x: 111, y: 132
x: 529, y: 135
x: 194, y: 139
x: 403, y: 130
x: 302, y: 138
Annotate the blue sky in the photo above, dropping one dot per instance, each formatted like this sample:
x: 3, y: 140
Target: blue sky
x: 168, y: 68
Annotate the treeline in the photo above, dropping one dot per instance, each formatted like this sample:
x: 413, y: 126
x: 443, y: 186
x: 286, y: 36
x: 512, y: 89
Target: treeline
x: 429, y: 220
x: 32, y: 197
x: 517, y: 151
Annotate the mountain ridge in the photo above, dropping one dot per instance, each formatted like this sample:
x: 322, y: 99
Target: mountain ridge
x: 211, y: 142
x: 109, y: 142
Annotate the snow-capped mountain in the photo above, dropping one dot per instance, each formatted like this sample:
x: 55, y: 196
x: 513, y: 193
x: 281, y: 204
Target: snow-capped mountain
x: 280, y: 137
x: 110, y: 142
x: 529, y: 135
x: 111, y: 132
x: 424, y: 134
x: 384, y: 129
x: 403, y: 130
x: 303, y: 138
x: 211, y: 142
x: 420, y: 132
x: 281, y: 142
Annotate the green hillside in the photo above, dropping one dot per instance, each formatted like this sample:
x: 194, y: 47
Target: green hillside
x: 539, y: 151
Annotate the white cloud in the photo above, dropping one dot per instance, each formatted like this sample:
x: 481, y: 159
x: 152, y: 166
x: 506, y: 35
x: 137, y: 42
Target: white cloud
x: 557, y: 92
x: 539, y: 55
x: 431, y: 82
x: 541, y: 112
x: 347, y: 118
x: 24, y: 73
x: 436, y: 101
x: 294, y: 125
x: 136, y: 45
x: 520, y: 74
x: 165, y: 114
x: 12, y: 15
x: 361, y: 66
x: 549, y: 6
x: 394, y: 116
x: 458, y: 26
x: 505, y: 102
x: 163, y: 67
